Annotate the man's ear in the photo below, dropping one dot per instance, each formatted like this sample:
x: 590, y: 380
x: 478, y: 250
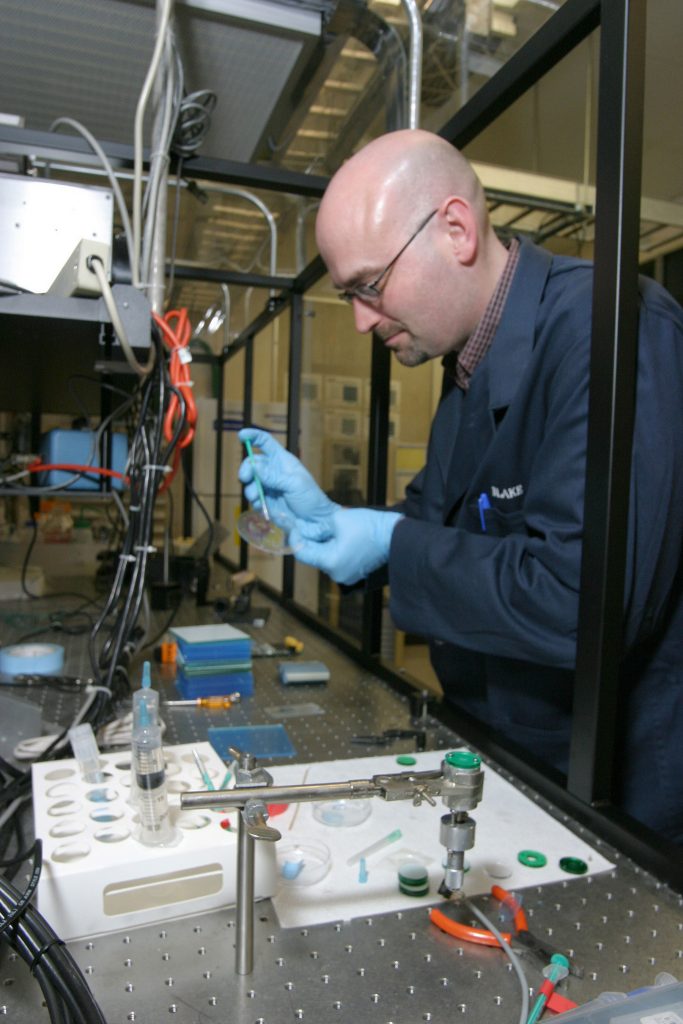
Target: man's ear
x: 462, y: 228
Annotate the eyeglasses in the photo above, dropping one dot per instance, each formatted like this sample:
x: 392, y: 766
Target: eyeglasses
x: 371, y: 292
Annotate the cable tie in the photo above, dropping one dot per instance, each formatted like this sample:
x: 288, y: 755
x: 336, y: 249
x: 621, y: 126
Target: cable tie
x: 159, y: 153
x: 161, y: 469
x: 127, y: 558
x: 149, y: 548
x: 185, y: 384
x: 184, y: 354
x: 134, y: 508
x: 56, y: 941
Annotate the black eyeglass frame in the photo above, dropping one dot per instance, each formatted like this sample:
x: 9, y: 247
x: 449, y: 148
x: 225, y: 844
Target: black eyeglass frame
x: 370, y: 292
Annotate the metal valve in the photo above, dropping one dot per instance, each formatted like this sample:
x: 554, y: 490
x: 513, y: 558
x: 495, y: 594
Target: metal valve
x: 463, y: 785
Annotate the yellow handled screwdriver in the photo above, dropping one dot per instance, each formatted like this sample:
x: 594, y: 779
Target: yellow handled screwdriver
x: 225, y: 701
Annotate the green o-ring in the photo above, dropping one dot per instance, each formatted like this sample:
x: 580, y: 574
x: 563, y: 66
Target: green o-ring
x: 406, y: 759
x: 532, y: 859
x: 573, y: 865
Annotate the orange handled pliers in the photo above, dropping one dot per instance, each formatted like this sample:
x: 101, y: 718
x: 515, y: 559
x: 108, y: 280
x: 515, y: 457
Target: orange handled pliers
x: 520, y: 937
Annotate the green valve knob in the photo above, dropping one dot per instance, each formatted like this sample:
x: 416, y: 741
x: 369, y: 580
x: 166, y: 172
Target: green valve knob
x: 463, y: 759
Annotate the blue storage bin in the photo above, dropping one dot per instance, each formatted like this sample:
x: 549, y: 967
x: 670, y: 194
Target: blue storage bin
x: 75, y: 447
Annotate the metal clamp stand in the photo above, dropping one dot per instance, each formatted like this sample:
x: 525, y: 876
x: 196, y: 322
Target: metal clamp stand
x: 459, y: 782
x: 251, y: 826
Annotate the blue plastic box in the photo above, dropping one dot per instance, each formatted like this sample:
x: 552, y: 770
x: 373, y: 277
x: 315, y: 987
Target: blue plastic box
x: 75, y: 447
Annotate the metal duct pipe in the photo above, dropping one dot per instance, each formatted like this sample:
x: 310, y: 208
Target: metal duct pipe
x: 415, y: 63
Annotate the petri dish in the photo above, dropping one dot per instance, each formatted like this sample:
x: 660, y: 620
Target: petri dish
x: 341, y: 813
x: 304, y: 863
x: 264, y: 534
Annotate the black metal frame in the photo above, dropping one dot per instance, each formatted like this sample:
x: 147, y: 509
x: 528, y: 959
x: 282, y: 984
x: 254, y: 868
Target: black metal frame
x: 587, y: 795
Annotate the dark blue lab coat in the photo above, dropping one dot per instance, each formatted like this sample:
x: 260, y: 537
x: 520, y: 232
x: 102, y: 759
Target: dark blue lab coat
x: 499, y: 601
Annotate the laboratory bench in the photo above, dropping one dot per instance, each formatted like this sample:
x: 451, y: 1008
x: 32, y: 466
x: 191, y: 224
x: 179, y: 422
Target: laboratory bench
x: 620, y: 924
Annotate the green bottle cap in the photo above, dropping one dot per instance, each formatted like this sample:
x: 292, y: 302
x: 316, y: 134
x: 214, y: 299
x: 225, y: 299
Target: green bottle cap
x: 573, y: 865
x: 463, y: 759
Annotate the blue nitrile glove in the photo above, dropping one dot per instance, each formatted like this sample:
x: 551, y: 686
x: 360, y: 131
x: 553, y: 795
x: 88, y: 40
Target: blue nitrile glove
x: 290, y: 490
x: 358, y: 544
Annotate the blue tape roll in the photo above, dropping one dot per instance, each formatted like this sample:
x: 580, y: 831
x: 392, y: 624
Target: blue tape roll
x: 32, y: 659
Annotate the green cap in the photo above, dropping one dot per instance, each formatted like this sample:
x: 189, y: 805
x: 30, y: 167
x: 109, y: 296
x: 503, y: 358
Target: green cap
x: 573, y: 865
x: 463, y: 759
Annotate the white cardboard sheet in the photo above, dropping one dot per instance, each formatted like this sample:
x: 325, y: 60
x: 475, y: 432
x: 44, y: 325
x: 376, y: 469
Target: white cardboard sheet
x: 507, y: 822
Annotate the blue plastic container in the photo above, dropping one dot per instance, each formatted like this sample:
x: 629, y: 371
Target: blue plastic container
x: 75, y: 447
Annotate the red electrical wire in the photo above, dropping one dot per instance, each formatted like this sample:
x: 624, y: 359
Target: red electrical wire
x: 70, y: 467
x: 176, y: 332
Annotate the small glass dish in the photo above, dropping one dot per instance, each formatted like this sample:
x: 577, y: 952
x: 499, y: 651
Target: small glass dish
x: 304, y: 863
x: 342, y: 813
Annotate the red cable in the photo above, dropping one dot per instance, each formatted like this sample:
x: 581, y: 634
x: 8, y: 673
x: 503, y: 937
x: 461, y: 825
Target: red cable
x: 176, y: 332
x: 41, y: 467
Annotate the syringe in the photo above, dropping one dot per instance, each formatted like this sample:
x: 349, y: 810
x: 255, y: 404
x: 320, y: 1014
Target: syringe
x: 155, y: 827
x: 145, y: 712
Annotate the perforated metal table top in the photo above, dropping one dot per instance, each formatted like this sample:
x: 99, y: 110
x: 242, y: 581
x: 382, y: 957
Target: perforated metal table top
x: 623, y: 927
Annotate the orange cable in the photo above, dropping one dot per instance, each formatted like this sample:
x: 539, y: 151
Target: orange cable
x: 463, y: 931
x: 176, y: 332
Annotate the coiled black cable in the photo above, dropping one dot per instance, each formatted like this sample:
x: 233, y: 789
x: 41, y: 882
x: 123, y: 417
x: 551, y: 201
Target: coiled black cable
x: 67, y: 995
x: 193, y: 122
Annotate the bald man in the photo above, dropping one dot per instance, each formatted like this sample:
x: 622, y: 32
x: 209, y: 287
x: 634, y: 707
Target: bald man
x: 484, y: 553
x: 436, y: 291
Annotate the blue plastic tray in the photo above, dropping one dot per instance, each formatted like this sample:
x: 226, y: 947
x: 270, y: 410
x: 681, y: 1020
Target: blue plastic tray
x: 259, y: 740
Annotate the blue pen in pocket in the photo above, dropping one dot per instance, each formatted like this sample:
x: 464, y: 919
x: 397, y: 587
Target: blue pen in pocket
x: 482, y: 504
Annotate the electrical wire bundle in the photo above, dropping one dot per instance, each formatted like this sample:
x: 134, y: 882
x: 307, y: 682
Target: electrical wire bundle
x: 66, y: 992
x: 176, y: 332
x: 116, y: 633
x: 193, y: 122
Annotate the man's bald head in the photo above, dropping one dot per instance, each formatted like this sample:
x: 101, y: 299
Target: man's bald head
x: 404, y: 230
x: 397, y: 178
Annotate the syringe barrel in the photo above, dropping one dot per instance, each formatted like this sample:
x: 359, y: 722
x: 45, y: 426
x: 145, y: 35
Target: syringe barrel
x: 150, y: 780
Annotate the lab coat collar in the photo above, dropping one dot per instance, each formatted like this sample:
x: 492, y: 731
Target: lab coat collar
x: 514, y: 339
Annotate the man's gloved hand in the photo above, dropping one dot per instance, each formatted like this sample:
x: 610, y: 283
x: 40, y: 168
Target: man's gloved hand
x: 358, y: 543
x: 291, y: 492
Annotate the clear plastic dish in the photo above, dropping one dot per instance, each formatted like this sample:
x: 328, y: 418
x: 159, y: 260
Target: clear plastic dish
x: 264, y: 534
x: 302, y: 863
x: 342, y: 813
